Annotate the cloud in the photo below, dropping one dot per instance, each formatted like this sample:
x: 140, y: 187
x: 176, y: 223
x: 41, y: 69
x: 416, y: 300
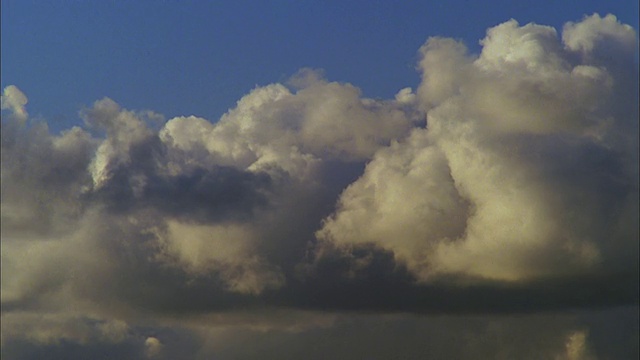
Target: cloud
x: 153, y: 346
x: 576, y: 346
x: 519, y: 174
x: 506, y: 183
x: 13, y: 99
x: 602, y: 334
x: 594, y: 31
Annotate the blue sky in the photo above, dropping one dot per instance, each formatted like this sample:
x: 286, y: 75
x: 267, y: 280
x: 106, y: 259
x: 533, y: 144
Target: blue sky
x: 200, y: 57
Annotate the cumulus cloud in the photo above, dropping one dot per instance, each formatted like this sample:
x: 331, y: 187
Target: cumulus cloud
x: 594, y: 31
x: 519, y: 174
x: 506, y: 182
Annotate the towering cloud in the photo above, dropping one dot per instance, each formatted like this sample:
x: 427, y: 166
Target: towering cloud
x: 507, y: 182
x: 527, y: 167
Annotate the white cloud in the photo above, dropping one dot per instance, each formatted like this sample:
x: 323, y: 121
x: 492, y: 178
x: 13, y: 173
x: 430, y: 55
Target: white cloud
x: 508, y: 180
x: 593, y: 31
x: 13, y: 99
x: 272, y: 127
x: 406, y: 201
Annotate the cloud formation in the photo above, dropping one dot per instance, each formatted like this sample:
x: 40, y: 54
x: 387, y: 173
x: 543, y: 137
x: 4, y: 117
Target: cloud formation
x: 524, y: 170
x: 506, y: 182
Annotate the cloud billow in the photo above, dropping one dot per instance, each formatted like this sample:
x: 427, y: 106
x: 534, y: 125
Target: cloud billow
x: 523, y: 170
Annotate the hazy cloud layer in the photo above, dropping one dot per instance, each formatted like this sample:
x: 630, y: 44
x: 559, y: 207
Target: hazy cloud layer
x: 506, y: 183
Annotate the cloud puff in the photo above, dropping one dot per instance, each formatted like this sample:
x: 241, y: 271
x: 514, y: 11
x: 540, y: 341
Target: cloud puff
x: 13, y: 99
x: 595, y: 31
x: 153, y: 346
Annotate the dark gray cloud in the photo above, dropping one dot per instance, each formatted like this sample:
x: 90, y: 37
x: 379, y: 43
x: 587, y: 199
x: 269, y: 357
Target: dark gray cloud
x: 603, y: 334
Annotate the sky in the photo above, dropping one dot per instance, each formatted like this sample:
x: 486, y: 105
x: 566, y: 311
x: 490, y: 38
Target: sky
x: 268, y: 180
x: 199, y: 57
